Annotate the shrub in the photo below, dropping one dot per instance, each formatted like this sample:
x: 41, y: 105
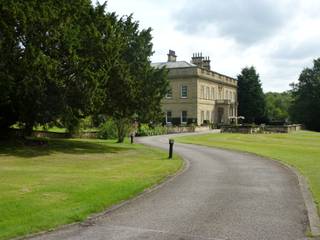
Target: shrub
x: 192, y: 121
x: 108, y: 130
x: 147, y: 130
x: 86, y: 123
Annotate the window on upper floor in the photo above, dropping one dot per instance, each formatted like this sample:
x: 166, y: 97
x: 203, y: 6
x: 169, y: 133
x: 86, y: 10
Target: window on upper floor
x: 169, y: 93
x: 202, y: 92
x: 212, y: 93
x: 184, y: 91
x: 207, y: 92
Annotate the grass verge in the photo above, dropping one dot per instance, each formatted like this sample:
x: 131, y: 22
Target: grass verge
x: 42, y: 187
x: 300, y: 150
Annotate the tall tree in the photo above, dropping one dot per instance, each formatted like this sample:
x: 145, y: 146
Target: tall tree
x: 64, y: 61
x: 133, y: 87
x: 47, y: 60
x: 250, y: 96
x: 306, y: 97
x: 9, y: 54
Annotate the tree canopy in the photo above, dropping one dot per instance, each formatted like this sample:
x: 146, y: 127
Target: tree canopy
x: 306, y: 97
x: 68, y: 60
x: 250, y: 96
x: 277, y: 106
x: 49, y: 69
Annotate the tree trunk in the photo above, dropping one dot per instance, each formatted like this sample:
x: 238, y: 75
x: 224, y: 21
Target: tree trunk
x: 122, y: 128
x: 27, y: 131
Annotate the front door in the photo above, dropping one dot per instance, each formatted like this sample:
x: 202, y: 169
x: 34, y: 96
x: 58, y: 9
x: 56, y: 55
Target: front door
x: 220, y: 114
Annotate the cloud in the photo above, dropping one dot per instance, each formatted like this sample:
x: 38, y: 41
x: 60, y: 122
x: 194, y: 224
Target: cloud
x: 280, y: 38
x: 290, y: 51
x: 245, y: 21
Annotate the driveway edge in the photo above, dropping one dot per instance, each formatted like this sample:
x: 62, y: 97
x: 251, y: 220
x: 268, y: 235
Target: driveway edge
x: 313, y: 217
x: 90, y: 220
x: 312, y: 212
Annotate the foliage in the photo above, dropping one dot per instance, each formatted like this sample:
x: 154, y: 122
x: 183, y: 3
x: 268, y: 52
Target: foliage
x: 147, y: 130
x: 47, y: 60
x: 134, y: 88
x: 81, y: 177
x: 306, y: 97
x: 86, y: 123
x: 108, y: 130
x: 69, y: 60
x: 277, y: 106
x: 250, y: 96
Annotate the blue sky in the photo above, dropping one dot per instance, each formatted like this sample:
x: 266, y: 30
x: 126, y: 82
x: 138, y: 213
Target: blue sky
x: 279, y: 38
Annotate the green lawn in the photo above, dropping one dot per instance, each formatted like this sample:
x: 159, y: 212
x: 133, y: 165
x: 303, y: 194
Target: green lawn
x: 42, y: 187
x: 300, y: 150
x: 50, y: 129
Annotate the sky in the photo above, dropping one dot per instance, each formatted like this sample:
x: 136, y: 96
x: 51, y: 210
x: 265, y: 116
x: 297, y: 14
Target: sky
x: 278, y: 37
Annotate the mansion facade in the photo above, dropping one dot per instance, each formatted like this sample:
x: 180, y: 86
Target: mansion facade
x: 197, y: 94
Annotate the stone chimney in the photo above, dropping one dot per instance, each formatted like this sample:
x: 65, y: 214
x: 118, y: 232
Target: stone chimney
x: 206, y: 63
x: 172, y: 56
x: 197, y: 59
x: 200, y: 61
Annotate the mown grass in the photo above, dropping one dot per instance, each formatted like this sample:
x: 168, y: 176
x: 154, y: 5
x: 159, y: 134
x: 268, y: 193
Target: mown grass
x: 300, y: 150
x: 42, y: 187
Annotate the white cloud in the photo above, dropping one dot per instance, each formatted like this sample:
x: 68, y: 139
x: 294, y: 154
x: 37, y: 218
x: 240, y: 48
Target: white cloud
x: 246, y: 21
x: 279, y: 38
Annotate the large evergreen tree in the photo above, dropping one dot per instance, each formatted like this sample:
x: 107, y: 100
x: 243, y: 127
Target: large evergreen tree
x: 306, y: 97
x: 134, y: 89
x: 65, y: 61
x: 47, y: 67
x: 250, y: 96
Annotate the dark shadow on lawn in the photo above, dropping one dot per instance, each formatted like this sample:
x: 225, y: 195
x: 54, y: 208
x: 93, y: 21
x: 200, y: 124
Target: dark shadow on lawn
x: 21, y: 149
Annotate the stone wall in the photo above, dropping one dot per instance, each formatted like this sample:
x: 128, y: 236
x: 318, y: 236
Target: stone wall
x: 261, y: 129
x: 187, y: 129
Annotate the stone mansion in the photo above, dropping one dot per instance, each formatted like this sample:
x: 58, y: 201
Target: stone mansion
x: 197, y: 94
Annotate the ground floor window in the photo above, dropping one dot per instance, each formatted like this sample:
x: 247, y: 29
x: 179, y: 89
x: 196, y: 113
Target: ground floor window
x: 169, y: 117
x: 202, y: 117
x: 184, y: 116
x: 208, y: 116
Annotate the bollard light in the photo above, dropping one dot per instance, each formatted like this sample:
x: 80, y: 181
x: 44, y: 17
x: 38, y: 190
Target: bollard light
x: 131, y: 137
x: 171, y: 142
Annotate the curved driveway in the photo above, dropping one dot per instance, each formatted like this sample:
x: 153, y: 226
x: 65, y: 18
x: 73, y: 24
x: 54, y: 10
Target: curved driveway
x: 222, y: 195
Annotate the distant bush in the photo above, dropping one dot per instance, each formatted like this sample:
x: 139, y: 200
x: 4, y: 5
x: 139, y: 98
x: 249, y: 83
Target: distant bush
x: 147, y: 130
x: 108, y: 130
x: 86, y: 123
